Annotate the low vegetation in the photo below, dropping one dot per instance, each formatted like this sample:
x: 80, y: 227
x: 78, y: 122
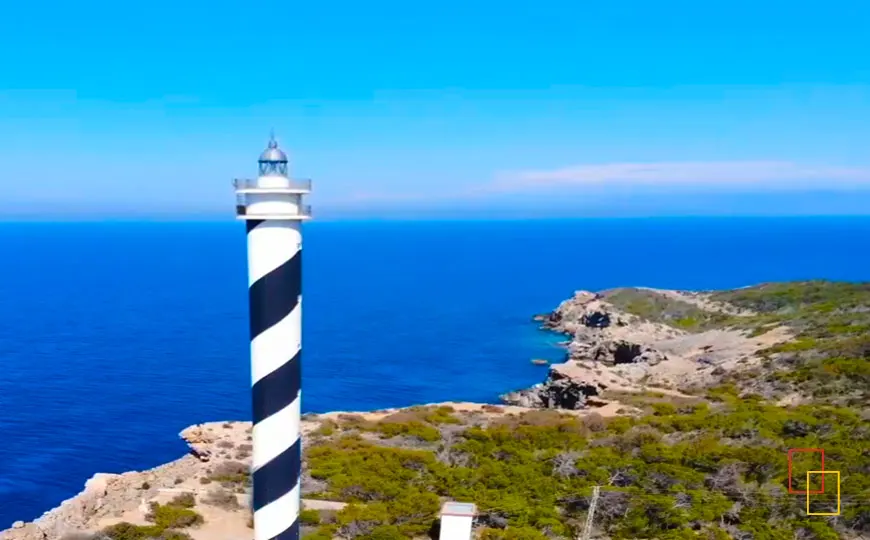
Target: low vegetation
x: 654, y: 307
x: 700, y: 471
x: 233, y: 475
x: 829, y: 359
x: 714, y: 467
x: 168, y: 520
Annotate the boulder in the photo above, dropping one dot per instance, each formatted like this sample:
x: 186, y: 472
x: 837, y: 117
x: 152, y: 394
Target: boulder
x: 614, y: 352
x: 98, y: 485
x: 200, y: 441
x: 558, y: 392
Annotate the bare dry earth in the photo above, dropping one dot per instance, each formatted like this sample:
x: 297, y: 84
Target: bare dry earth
x: 686, y: 360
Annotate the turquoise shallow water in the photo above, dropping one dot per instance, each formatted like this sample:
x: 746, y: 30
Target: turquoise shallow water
x: 115, y: 336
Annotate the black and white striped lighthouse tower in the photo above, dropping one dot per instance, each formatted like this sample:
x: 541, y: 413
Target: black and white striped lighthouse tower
x: 273, y: 211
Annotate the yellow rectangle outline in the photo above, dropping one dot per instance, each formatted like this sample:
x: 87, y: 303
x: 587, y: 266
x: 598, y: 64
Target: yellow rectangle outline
x: 837, y: 513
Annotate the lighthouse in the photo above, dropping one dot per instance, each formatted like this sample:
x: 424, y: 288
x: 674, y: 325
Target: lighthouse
x: 273, y: 211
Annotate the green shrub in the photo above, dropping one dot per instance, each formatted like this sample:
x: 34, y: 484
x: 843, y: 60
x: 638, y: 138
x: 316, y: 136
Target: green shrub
x: 323, y: 533
x: 442, y: 415
x: 128, y: 531
x: 168, y: 516
x: 174, y: 535
x: 309, y: 517
x: 231, y: 473
x: 183, y: 500
x: 326, y: 428
x: 513, y: 533
x: 385, y: 532
x: 412, y: 429
x: 664, y: 409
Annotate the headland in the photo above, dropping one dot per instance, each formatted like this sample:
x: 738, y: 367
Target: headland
x: 681, y: 405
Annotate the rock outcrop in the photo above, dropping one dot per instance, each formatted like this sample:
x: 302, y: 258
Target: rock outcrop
x: 612, y: 350
x: 111, y: 498
x: 559, y: 391
x: 602, y: 337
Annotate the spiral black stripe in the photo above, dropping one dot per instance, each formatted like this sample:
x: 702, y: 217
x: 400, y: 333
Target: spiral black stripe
x: 275, y: 295
x: 251, y: 223
x: 278, y: 389
x: 271, y: 481
x: 290, y: 534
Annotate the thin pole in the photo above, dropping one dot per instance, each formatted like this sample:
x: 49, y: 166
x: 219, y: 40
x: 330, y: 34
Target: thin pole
x: 590, y: 516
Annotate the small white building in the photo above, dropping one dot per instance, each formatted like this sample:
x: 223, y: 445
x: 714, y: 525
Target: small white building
x: 456, y: 520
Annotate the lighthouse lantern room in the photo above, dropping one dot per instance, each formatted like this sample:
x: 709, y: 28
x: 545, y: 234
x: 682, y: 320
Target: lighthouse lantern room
x: 273, y: 194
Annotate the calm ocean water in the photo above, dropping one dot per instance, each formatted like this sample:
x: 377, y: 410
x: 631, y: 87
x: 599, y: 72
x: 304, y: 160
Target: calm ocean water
x: 115, y: 336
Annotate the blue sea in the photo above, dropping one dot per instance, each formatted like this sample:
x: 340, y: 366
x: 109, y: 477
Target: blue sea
x: 115, y: 336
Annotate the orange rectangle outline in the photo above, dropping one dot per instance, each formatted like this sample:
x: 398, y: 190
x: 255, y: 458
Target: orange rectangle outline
x: 837, y: 513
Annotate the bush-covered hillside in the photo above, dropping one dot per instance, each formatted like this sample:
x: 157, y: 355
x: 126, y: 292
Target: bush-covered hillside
x: 713, y: 469
x: 829, y: 359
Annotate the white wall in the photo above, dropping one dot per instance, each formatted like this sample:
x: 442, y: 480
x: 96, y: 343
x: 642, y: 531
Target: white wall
x: 455, y: 528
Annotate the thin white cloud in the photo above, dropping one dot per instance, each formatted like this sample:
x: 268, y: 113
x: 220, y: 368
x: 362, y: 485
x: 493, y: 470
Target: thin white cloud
x: 362, y: 197
x: 744, y: 174
x: 748, y: 176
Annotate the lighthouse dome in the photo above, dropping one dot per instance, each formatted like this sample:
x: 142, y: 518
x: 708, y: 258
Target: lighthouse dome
x: 273, y: 154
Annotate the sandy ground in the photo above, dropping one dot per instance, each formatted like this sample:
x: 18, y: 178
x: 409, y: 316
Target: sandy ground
x: 692, y: 358
x: 492, y: 411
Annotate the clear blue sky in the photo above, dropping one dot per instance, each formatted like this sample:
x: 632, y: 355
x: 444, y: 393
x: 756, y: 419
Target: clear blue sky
x: 604, y: 107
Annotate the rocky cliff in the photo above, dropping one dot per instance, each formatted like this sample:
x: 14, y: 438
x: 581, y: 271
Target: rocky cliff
x: 215, y: 472
x: 629, y: 352
x: 614, y: 350
x: 109, y: 498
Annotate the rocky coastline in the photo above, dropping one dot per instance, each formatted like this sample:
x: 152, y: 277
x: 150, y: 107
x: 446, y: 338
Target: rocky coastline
x: 610, y: 353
